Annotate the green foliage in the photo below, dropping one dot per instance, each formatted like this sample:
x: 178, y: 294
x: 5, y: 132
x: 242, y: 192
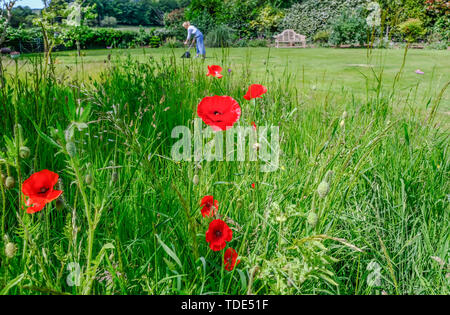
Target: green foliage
x: 412, y: 30
x: 442, y: 29
x: 349, y: 28
x: 321, y: 37
x: 220, y: 36
x: 172, y: 42
x: 173, y: 24
x: 311, y: 16
x: 267, y: 21
x: 87, y: 36
x: 22, y: 16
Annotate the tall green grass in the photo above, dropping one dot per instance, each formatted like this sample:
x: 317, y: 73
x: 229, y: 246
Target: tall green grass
x: 383, y: 226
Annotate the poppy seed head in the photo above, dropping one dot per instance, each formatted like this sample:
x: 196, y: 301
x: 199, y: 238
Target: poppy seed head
x: 10, y: 182
x: 88, y: 179
x: 196, y: 180
x: 24, y: 152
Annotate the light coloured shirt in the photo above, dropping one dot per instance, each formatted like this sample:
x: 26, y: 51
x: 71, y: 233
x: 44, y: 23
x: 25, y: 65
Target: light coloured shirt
x: 192, y: 31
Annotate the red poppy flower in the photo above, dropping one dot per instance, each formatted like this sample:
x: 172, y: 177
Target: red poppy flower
x: 255, y: 91
x: 210, y: 206
x: 230, y: 259
x: 215, y: 71
x: 253, y: 185
x: 219, y: 112
x: 218, y: 234
x: 39, y: 190
x: 254, y: 125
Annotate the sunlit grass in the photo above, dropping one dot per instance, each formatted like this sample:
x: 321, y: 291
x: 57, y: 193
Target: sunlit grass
x: 137, y: 228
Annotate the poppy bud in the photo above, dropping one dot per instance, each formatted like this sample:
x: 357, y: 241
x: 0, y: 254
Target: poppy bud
x: 10, y: 182
x: 71, y: 149
x: 323, y: 189
x: 342, y: 123
x: 344, y: 115
x: 312, y: 218
x: 239, y: 203
x: 88, y: 179
x: 10, y: 250
x: 24, y: 152
x: 196, y: 180
x: 114, y: 177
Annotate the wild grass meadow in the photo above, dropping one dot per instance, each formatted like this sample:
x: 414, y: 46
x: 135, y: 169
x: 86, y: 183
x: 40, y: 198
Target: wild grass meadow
x: 359, y: 203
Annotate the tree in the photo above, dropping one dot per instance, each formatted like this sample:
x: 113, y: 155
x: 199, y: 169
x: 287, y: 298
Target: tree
x: 5, y: 17
x: 77, y: 17
x: 21, y: 16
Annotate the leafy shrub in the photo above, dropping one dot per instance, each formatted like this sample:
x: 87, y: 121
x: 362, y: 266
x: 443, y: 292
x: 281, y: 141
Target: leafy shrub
x: 205, y: 22
x: 311, y: 16
x: 241, y: 42
x: 155, y: 42
x: 441, y: 27
x: 267, y: 21
x: 412, y: 30
x: 349, y: 28
x: 108, y: 21
x: 172, y: 42
x: 220, y: 36
x: 437, y: 45
x: 321, y: 37
x: 259, y: 42
x: 173, y: 25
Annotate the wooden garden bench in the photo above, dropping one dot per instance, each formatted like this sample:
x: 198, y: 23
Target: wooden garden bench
x: 290, y: 37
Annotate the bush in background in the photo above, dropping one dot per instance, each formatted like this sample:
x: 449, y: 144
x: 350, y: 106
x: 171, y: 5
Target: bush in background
x: 173, y: 25
x: 321, y: 37
x: 172, y: 42
x: 108, y: 21
x: 311, y: 16
x: 412, y: 30
x: 220, y: 36
x: 349, y: 29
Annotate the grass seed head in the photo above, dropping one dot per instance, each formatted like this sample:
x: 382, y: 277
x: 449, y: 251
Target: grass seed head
x: 312, y: 218
x: 10, y: 250
x: 323, y: 189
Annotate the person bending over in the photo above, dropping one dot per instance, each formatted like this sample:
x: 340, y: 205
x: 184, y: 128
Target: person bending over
x: 196, y: 35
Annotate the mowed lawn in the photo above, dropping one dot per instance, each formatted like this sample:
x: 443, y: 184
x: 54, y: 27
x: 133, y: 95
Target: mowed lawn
x: 342, y: 72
